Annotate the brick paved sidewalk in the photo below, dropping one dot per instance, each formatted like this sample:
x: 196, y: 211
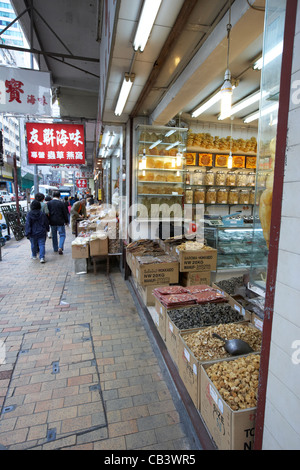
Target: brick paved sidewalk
x: 80, y: 371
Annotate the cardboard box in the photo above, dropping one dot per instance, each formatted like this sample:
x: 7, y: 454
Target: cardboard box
x: 257, y: 321
x: 201, y: 261
x: 98, y: 247
x: 157, y: 273
x: 188, y: 368
x: 129, y: 259
x: 160, y: 319
x: 195, y: 278
x: 80, y: 251
x: 147, y: 295
x: 231, y: 430
x: 189, y: 365
x: 172, y: 339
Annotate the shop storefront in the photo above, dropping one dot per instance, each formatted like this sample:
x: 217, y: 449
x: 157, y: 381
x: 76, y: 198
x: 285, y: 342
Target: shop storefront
x: 202, y: 216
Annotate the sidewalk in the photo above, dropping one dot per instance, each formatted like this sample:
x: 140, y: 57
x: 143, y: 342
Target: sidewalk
x: 81, y: 369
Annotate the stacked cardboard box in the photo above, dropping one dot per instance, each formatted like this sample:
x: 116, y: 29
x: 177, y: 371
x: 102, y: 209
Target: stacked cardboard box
x: 94, y: 245
x: 150, y: 267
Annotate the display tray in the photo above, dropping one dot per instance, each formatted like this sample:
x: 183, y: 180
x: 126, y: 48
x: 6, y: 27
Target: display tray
x: 162, y: 195
x: 218, y: 151
x: 161, y: 182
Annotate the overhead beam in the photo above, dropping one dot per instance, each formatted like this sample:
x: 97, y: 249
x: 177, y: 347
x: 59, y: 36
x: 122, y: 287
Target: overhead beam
x: 54, y: 54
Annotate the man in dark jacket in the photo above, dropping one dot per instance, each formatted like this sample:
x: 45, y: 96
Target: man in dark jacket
x: 58, y: 216
x: 36, y: 228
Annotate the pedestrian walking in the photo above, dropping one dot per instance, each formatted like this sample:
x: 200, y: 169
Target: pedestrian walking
x: 47, y: 199
x: 58, y: 215
x: 36, y: 228
x: 78, y: 212
x: 41, y: 198
x: 68, y: 206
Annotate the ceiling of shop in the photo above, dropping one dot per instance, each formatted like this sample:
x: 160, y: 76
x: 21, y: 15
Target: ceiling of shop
x: 183, y: 63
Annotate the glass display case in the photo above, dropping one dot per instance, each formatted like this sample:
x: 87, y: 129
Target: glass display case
x: 159, y: 173
x: 270, y: 82
x: 236, y: 245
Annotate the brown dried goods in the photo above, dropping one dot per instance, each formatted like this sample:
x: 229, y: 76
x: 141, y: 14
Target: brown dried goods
x: 237, y: 381
x: 205, y: 347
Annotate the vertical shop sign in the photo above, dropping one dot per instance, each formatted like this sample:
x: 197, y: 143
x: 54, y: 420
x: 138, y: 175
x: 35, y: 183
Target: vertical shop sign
x: 55, y: 144
x: 24, y: 91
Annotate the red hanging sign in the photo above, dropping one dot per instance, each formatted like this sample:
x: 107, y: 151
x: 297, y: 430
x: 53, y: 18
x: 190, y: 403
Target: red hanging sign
x: 82, y: 183
x: 52, y: 144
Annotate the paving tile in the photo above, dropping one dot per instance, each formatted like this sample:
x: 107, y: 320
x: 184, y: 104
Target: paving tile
x: 90, y: 325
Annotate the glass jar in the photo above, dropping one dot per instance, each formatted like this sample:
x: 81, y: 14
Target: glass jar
x: 199, y: 196
x: 198, y: 177
x: 211, y: 196
x: 189, y: 196
x: 222, y: 196
x: 251, y: 179
x: 230, y: 178
x: 209, y: 178
x: 233, y: 196
x: 220, y: 178
x: 252, y: 197
x: 241, y: 179
x: 244, y: 196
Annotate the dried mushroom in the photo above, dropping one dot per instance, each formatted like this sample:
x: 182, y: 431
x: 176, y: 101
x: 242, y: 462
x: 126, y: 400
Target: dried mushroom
x: 206, y: 347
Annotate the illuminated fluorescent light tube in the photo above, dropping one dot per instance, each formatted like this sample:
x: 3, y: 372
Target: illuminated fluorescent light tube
x: 170, y: 133
x: 269, y: 56
x: 173, y: 145
x: 254, y: 116
x: 124, y: 93
x: 208, y: 104
x: 155, y: 144
x: 251, y: 99
x: 213, y: 100
x: 146, y: 22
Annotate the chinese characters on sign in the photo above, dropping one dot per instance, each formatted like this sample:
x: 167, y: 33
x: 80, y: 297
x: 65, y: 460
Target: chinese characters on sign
x: 81, y: 184
x: 52, y: 144
x: 25, y: 91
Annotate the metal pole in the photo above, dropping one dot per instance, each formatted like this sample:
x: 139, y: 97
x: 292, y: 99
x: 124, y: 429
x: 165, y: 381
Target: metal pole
x: 36, y: 175
x: 16, y: 186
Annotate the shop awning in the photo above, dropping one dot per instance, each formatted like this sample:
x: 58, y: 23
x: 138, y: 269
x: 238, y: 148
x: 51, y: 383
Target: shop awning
x: 25, y: 181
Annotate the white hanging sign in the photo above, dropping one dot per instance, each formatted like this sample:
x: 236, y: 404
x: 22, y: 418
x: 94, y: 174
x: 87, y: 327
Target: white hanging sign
x: 25, y: 91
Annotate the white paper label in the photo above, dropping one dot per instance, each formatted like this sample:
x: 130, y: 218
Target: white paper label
x: 186, y: 354
x: 156, y: 318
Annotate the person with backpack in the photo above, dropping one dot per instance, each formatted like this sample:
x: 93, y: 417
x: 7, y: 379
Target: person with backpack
x: 36, y: 228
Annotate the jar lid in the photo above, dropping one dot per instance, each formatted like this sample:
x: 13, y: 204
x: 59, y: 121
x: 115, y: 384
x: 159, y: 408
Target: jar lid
x: 223, y: 190
x: 211, y: 190
x: 233, y: 190
x: 220, y: 172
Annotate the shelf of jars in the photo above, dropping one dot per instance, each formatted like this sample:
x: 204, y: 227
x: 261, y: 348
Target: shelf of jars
x: 220, y: 195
